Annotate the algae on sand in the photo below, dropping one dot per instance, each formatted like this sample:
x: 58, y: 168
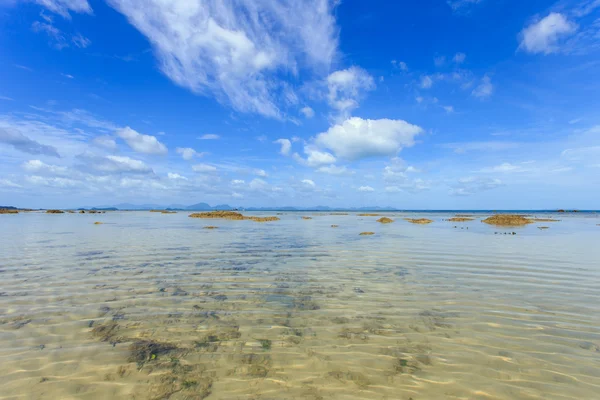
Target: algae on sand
x: 507, y: 220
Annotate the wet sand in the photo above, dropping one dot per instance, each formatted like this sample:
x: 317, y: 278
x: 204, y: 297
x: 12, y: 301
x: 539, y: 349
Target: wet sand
x: 147, y: 307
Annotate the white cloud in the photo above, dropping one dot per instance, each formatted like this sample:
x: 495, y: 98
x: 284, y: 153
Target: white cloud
x: 358, y: 138
x: 115, y: 164
x: 187, y: 153
x: 239, y: 50
x: 316, y: 157
x: 81, y: 41
x: 141, y: 143
x: 18, y: 141
x: 106, y: 142
x: 308, y: 182
x: 426, y: 82
x: 260, y: 172
x: 204, y: 168
x: 545, y: 35
x: 174, y: 176
x: 286, y: 146
x: 400, y: 65
x: 57, y: 182
x: 209, y: 136
x: 307, y: 112
x: 63, y: 7
x: 472, y: 185
x: 258, y: 184
x: 5, y: 183
x: 238, y: 182
x: 485, y: 88
x: 39, y: 166
x: 366, y: 189
x: 5, y: 98
x: 459, y: 58
x: 504, y: 168
x: 448, y: 109
x: 582, y: 154
x: 460, y: 148
x: 334, y: 170
x: 345, y: 87
x: 237, y: 195
x: 67, y: 76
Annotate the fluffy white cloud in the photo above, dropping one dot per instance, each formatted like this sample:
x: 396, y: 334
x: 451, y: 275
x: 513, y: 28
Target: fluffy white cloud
x: 115, y: 164
x: 308, y: 182
x: 5, y: 183
x: 366, y: 189
x: 286, y: 146
x: 334, y: 170
x: 459, y: 58
x: 204, y: 168
x: 141, y: 143
x: 260, y: 172
x: 237, y: 50
x: 187, y: 153
x: 39, y: 166
x: 544, y: 36
x: 485, y: 88
x: 345, y: 87
x: 238, y: 182
x: 358, y: 138
x: 315, y: 157
x: 209, y: 136
x: 307, y: 112
x: 105, y: 141
x: 174, y: 176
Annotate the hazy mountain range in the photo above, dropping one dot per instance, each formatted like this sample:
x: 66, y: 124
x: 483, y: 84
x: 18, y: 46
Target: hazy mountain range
x: 208, y: 207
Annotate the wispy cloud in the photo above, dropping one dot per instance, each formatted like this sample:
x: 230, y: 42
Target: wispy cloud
x: 20, y: 142
x: 237, y: 51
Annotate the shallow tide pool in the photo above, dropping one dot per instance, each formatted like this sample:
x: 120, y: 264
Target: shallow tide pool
x: 153, y: 306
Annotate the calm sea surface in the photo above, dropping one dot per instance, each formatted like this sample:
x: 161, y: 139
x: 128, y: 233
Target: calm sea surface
x: 153, y: 306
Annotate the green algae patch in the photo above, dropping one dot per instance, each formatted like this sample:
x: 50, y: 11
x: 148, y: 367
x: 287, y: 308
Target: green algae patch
x: 507, y: 220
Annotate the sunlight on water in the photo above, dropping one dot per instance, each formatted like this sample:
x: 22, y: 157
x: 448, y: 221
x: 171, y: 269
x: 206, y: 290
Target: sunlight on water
x: 153, y: 306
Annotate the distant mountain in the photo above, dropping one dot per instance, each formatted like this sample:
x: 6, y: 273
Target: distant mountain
x: 199, y: 207
x: 8, y: 208
x: 208, y: 207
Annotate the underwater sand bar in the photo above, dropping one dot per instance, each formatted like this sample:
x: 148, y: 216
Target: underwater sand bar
x: 507, y: 220
x: 231, y: 215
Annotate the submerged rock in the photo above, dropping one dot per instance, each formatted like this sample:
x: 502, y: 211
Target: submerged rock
x: 231, y: 215
x: 211, y: 227
x: 334, y: 226
x: 54, y: 212
x: 461, y: 219
x: 98, y: 223
x: 385, y: 220
x: 507, y: 220
x: 8, y: 211
x: 420, y: 221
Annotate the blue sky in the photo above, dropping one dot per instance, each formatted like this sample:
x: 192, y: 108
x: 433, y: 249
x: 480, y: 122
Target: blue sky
x: 459, y: 104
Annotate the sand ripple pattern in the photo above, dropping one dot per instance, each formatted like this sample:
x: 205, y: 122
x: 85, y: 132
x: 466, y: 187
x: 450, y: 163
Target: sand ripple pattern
x: 153, y: 306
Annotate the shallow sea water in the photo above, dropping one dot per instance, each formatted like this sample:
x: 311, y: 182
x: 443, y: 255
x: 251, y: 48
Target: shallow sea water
x: 153, y: 306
